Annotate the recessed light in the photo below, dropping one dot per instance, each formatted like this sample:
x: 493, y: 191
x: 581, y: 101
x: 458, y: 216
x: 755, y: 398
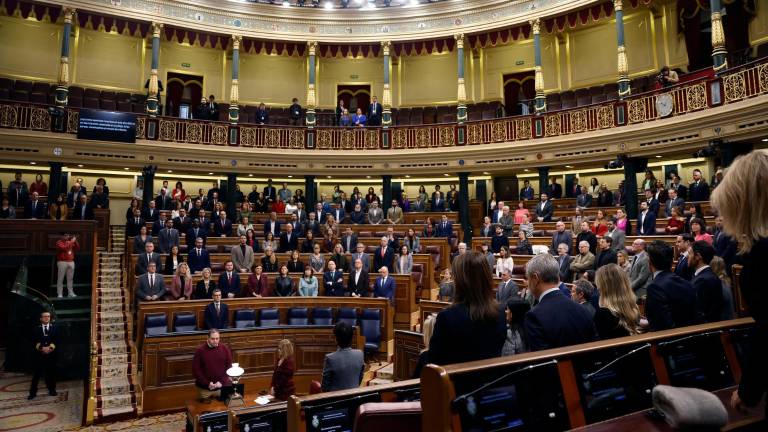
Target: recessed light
x: 208, y: 173
x: 328, y: 5
x: 79, y: 165
x: 126, y: 168
x: 486, y: 173
x: 765, y: 139
x: 328, y: 176
x: 170, y: 171
x: 659, y: 156
x: 407, y: 176
x: 250, y: 175
x: 526, y: 170
x: 286, y: 3
x: 290, y: 176
x: 367, y: 177
x: 446, y: 174
x: 569, y: 166
x: 33, y: 163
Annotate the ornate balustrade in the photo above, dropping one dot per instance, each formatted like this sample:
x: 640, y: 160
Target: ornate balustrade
x: 732, y: 86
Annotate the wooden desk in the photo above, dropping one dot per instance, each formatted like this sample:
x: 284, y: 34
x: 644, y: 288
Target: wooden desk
x: 196, y: 408
x: 408, y: 347
x: 167, y: 380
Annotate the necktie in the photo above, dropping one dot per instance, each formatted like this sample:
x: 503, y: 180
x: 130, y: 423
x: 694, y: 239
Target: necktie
x: 218, y: 308
x: 45, y: 330
x: 149, y: 258
x: 152, y: 280
x: 383, y: 251
x: 198, y: 252
x: 137, y: 221
x: 229, y: 278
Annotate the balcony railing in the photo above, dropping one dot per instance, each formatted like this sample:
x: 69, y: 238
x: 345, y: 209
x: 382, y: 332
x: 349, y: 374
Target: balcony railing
x: 734, y: 85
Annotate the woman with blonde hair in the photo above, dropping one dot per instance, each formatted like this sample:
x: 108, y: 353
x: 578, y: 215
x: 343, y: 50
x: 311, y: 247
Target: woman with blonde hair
x: 427, y: 328
x: 181, y: 285
x: 623, y: 260
x: 742, y: 200
x: 618, y: 314
x: 282, y: 386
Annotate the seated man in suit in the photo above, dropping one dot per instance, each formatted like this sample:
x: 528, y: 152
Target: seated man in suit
x: 375, y: 214
x: 556, y: 321
x: 222, y: 227
x: 383, y: 255
x: 83, y: 209
x: 216, y: 312
x: 34, y: 208
x: 671, y: 300
x: 639, y: 271
x: 289, y: 240
x: 198, y: 257
x: 229, y: 281
x: 147, y: 257
x: 444, y: 228
x: 358, y: 284
x: 344, y: 368
x: 242, y: 256
x: 708, y: 287
x: 395, y: 213
x: 360, y: 254
x: 544, y: 209
x: 508, y: 289
x: 384, y: 287
x: 151, y: 284
x: 646, y: 220
x: 333, y: 280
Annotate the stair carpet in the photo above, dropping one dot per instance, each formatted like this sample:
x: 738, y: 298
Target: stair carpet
x: 115, y: 388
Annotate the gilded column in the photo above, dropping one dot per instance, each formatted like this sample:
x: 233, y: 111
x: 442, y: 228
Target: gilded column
x: 311, y: 97
x: 234, y: 94
x: 623, y: 66
x: 540, y: 104
x: 719, y: 59
x: 62, y: 89
x: 386, y: 96
x: 461, y: 115
x: 153, y: 98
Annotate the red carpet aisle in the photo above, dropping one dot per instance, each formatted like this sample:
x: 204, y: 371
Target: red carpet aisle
x: 162, y: 423
x: 44, y: 413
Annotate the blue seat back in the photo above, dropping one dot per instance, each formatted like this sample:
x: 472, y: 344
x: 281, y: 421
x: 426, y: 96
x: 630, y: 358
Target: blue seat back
x: 155, y: 324
x: 184, y: 322
x: 370, y: 328
x: 269, y: 317
x: 347, y: 315
x: 322, y: 316
x: 298, y: 316
x: 245, y: 318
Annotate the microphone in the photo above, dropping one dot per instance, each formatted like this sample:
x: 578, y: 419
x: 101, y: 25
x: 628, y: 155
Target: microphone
x: 616, y: 360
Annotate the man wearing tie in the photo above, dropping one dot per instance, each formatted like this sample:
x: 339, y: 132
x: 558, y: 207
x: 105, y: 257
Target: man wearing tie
x: 169, y: 237
x: 150, y: 213
x: 18, y: 193
x: 229, y: 281
x: 526, y: 193
x: 555, y: 190
x: 560, y: 236
x: 216, y: 312
x: 194, y: 233
x: 198, y: 257
x: 34, y: 209
x: 438, y: 201
x: 674, y: 201
x: 639, y: 272
x: 375, y: 214
x: 213, y: 108
x: 151, y: 284
x: 334, y: 281
x: 375, y: 111
x: 544, y: 209
x: 222, y: 227
x: 142, y: 265
x: 134, y: 224
x: 385, y: 286
x: 289, y: 241
x: 507, y: 288
x: 358, y: 284
x: 383, y: 256
x: 564, y: 261
x: 395, y: 213
x: 683, y: 268
x: 653, y: 203
x: 46, y: 340
x: 699, y: 189
x: 349, y: 240
x: 444, y: 228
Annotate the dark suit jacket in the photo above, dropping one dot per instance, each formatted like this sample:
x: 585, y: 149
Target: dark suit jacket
x: 220, y: 230
x: 196, y: 263
x: 190, y: 238
x: 155, y: 214
x: 526, y: 193
x: 286, y: 245
x: 379, y: 262
x: 333, y: 288
x: 441, y: 231
x: 352, y: 243
x: 270, y: 193
x: 37, y: 213
x: 343, y: 369
x: 698, y: 192
x: 163, y: 202
x: 457, y: 339
x: 653, y: 205
x: 362, y: 287
x: 682, y: 191
x: 77, y: 213
x: 132, y: 228
x: 267, y: 226
x: 606, y: 257
x: 262, y: 117
x: 555, y: 190
x: 437, y: 206
x: 565, y: 268
x: 43, y: 339
x: 648, y: 226
x: 670, y: 302
x: 558, y: 321
x: 546, y: 213
x: 143, y: 262
x: 709, y: 295
x: 229, y: 288
x: 387, y: 290
x: 682, y: 268
x: 497, y: 241
x: 213, y: 321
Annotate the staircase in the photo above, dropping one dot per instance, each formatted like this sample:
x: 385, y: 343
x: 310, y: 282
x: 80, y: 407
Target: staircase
x: 115, y: 369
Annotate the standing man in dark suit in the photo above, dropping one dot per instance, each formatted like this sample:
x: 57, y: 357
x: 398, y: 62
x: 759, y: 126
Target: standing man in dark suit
x: 564, y: 261
x: 216, y: 312
x: 349, y: 240
x: 229, y: 281
x: 343, y: 369
x: 646, y: 220
x: 83, y: 209
x: 555, y: 190
x: 438, y: 200
x: 272, y: 225
x: 383, y: 256
x: 163, y: 201
x: 150, y: 213
x: 289, y: 240
x: 222, y: 227
x: 526, y: 193
x: 159, y: 225
x: 151, y: 284
x: 560, y: 236
x: 195, y: 232
x: 213, y: 109
x: 46, y: 340
x: 262, y: 118
x: 358, y: 284
x: 653, y: 203
x: 544, y: 209
x: 444, y: 228
x: 333, y: 280
x: 168, y: 237
x: 708, y: 287
x: 606, y: 254
x: 134, y: 224
x: 556, y: 320
x: 507, y: 289
x: 672, y: 202
x: 499, y: 240
x: 198, y: 257
x: 384, y: 287
x: 34, y: 208
x: 312, y: 225
x: 375, y: 111
x: 270, y: 193
x: 182, y: 222
x: 684, y: 269
x: 699, y: 189
x: 671, y: 300
x: 294, y: 114
x: 149, y: 256
x: 588, y: 236
x: 682, y: 191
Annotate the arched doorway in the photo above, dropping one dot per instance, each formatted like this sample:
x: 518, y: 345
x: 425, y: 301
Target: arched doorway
x: 182, y: 89
x: 354, y: 96
x: 519, y: 88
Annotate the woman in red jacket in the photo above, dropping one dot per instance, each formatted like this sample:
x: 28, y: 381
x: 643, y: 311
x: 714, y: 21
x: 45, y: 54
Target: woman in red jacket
x: 282, y: 378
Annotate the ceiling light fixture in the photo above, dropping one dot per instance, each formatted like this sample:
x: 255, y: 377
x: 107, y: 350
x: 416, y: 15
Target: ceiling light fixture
x: 250, y: 175
x: 328, y: 5
x: 765, y: 139
x: 290, y: 176
x: 79, y: 165
x: 126, y: 168
x: 569, y: 166
x: 286, y: 3
x: 33, y: 163
x: 210, y: 173
x: 659, y: 156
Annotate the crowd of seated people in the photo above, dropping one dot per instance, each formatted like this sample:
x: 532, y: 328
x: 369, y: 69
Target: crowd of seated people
x: 34, y: 198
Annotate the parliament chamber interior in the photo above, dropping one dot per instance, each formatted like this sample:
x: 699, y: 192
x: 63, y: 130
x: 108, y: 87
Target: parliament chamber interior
x: 378, y: 215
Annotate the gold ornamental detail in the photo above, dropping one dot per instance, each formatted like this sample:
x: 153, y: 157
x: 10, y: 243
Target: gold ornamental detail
x: 446, y: 137
x: 552, y: 125
x: 523, y: 129
x: 423, y: 137
x: 696, y: 97
x: 578, y: 121
x: 73, y: 121
x: 735, y: 88
x: 499, y: 131
x: 219, y: 134
x: 347, y: 139
x: 762, y: 77
x: 535, y: 26
x: 194, y: 132
x: 636, y: 109
x: 605, y: 117
x: 141, y: 127
x: 40, y: 119
x: 474, y: 133
x: 324, y: 139
x: 247, y: 137
x: 8, y: 116
x: 623, y: 65
x: 399, y: 138
x: 296, y: 138
x: 371, y: 140
x: 167, y: 130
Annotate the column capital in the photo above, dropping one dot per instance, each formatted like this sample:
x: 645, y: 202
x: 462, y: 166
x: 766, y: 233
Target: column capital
x: 459, y: 40
x: 156, y: 29
x: 68, y: 13
x: 535, y: 25
x: 236, y: 39
x: 312, y: 46
x: 618, y: 5
x: 386, y: 46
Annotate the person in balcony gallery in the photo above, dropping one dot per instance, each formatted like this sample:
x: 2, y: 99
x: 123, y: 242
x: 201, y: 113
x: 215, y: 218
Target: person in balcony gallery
x: 668, y: 77
x: 294, y: 113
x: 375, y: 111
x: 359, y: 119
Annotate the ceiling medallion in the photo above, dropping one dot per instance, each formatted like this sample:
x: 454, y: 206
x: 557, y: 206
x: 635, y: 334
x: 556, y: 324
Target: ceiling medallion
x: 458, y: 21
x: 116, y: 2
x: 539, y: 156
x: 312, y: 29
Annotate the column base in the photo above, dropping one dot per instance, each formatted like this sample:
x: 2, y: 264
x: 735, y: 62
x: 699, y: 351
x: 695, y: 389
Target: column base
x: 540, y: 104
x: 386, y: 118
x: 624, y: 88
x: 234, y: 114
x: 461, y: 113
x: 719, y: 60
x: 152, y: 106
x: 62, y: 96
x: 311, y: 118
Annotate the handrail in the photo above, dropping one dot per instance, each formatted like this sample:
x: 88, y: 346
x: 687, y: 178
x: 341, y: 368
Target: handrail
x: 89, y: 392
